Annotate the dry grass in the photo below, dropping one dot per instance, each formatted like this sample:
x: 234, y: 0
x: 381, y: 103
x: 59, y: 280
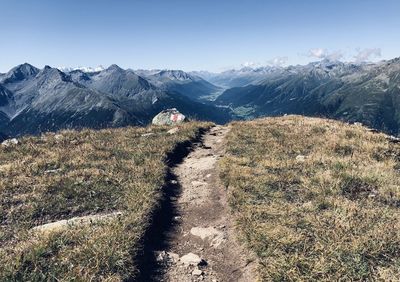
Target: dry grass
x: 333, y: 215
x: 88, y: 172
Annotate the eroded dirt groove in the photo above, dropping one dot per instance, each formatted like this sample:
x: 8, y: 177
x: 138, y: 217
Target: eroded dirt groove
x: 192, y: 237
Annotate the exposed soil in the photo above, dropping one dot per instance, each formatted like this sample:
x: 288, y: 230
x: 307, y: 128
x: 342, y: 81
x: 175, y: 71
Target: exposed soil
x: 193, y: 237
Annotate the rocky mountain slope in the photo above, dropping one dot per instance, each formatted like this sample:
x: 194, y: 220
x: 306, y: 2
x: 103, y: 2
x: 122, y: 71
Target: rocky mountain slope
x: 367, y: 93
x: 190, y: 85
x: 237, y: 77
x: 34, y: 101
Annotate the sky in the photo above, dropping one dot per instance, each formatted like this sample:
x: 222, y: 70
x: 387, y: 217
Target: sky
x: 213, y: 35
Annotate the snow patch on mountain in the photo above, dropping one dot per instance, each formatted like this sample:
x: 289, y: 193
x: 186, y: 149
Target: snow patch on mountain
x: 84, y: 69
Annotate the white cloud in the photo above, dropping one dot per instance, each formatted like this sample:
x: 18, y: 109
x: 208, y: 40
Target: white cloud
x: 250, y: 65
x: 317, y: 52
x: 278, y: 61
x: 367, y: 54
x: 322, y: 53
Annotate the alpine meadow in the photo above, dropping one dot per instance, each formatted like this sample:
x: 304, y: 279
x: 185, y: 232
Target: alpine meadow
x: 188, y: 141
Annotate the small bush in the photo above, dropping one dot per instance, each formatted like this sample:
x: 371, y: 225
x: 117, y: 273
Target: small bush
x: 354, y: 187
x: 344, y: 150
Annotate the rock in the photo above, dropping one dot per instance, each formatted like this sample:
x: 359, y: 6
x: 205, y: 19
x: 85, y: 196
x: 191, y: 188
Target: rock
x: 147, y: 134
x: 173, y: 130
x: 161, y: 256
x: 75, y: 221
x: 58, y: 137
x: 53, y: 170
x: 358, y: 124
x: 393, y: 139
x: 211, y: 233
x: 300, y: 158
x: 174, y: 257
x: 197, y: 272
x: 196, y: 183
x: 10, y: 142
x: 192, y: 259
x: 169, y: 117
x: 177, y: 218
x: 174, y: 182
x: 373, y: 130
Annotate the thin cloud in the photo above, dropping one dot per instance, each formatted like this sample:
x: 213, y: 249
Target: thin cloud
x: 367, y: 54
x: 321, y: 53
x: 278, y: 61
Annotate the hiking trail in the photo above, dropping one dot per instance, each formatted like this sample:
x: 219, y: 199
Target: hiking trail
x: 200, y: 243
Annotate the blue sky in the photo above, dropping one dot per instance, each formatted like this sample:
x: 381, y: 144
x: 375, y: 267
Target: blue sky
x: 195, y: 35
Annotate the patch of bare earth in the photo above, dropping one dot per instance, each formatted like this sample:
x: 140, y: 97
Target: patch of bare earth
x: 202, y: 245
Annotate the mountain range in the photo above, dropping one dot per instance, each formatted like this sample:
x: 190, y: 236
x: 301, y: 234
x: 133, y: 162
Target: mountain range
x: 34, y: 100
x: 367, y: 93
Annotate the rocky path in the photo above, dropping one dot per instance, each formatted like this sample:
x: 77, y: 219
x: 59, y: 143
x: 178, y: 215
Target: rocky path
x: 201, y: 246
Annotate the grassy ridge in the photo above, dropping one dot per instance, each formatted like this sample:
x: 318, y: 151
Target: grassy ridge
x: 74, y: 174
x: 316, y: 200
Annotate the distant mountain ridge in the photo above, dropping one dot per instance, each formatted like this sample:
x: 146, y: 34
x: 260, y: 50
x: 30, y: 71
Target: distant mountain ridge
x: 34, y: 100
x: 237, y: 77
x: 187, y: 84
x: 367, y: 93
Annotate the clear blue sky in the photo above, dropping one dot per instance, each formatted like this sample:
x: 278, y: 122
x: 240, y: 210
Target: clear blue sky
x: 195, y: 34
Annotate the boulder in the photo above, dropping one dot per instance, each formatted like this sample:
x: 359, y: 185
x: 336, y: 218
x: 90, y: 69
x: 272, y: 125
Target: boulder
x: 169, y: 117
x: 393, y: 139
x: 197, y: 272
x: 300, y: 158
x: 10, y: 142
x: 192, y: 259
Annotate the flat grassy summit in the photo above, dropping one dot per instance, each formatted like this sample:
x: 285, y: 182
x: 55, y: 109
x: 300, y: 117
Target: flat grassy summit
x: 309, y: 200
x: 315, y: 199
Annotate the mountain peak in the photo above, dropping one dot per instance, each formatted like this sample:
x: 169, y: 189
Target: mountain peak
x: 175, y: 75
x: 53, y: 73
x: 20, y: 72
x: 114, y: 67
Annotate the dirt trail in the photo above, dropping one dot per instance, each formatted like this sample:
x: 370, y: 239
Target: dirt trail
x: 201, y: 246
